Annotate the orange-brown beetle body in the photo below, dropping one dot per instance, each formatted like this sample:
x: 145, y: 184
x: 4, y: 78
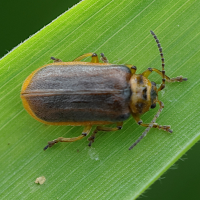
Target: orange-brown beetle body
x: 92, y: 93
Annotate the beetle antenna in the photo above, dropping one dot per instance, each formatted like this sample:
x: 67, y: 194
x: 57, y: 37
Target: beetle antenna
x: 150, y: 125
x: 162, y: 86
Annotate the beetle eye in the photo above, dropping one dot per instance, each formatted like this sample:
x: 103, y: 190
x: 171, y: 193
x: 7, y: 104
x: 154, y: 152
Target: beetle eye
x: 153, y: 105
x: 145, y: 93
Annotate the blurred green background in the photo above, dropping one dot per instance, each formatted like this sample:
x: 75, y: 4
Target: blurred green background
x: 21, y: 19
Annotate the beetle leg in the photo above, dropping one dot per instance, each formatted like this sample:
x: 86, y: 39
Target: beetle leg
x: 83, y: 56
x: 85, y: 132
x: 102, y: 128
x: 132, y: 68
x: 177, y: 79
x: 56, y: 59
x: 155, y: 125
x: 103, y: 58
x: 163, y: 127
x: 93, y: 55
x: 95, y: 58
x: 150, y: 125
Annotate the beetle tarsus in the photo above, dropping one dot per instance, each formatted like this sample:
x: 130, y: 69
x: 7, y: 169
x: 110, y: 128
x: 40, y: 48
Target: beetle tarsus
x: 103, y: 58
x: 84, y: 134
x: 119, y: 127
x: 56, y: 59
x: 52, y: 58
x: 91, y: 139
x: 102, y: 54
x: 178, y: 79
x: 45, y: 148
x: 50, y: 144
x: 170, y: 130
x: 90, y: 144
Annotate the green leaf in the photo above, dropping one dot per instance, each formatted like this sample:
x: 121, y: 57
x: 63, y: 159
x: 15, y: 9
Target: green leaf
x: 107, y: 170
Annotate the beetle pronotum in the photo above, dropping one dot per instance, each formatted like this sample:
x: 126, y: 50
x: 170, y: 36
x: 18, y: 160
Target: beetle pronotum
x: 91, y: 93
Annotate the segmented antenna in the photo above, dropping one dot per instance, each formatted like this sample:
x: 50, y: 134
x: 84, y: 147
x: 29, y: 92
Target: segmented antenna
x: 150, y: 125
x: 162, y: 86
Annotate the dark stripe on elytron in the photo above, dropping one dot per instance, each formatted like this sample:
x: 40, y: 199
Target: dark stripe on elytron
x: 90, y: 116
x: 64, y: 108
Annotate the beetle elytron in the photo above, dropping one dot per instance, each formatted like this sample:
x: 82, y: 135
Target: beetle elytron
x: 92, y: 93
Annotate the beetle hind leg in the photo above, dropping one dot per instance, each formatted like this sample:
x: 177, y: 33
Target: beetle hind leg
x: 85, y: 132
x: 56, y: 59
x: 102, y: 128
x: 103, y: 58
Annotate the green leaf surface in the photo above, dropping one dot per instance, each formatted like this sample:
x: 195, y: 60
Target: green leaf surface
x: 107, y: 170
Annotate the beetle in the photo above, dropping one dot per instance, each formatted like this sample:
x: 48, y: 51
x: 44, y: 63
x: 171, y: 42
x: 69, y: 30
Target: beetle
x: 92, y: 93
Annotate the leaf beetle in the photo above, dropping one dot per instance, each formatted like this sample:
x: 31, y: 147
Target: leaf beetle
x: 92, y: 93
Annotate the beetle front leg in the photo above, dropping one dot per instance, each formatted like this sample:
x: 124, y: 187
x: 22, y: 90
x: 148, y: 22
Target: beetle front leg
x: 102, y: 128
x: 147, y: 72
x: 163, y: 127
x: 155, y: 125
x: 85, y: 132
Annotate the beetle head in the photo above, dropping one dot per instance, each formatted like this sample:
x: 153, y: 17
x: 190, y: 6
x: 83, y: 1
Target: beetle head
x: 144, y: 94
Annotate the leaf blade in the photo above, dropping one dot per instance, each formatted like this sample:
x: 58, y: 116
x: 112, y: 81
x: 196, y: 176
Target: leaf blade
x: 107, y: 170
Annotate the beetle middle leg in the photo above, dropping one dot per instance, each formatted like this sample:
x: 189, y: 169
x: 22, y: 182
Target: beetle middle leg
x: 102, y: 128
x: 85, y: 132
